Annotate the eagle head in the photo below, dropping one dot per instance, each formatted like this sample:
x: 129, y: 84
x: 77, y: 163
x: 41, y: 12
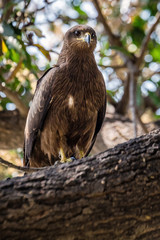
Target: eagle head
x: 81, y: 37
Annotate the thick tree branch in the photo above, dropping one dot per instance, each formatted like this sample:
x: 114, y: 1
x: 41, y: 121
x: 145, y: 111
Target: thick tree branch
x: 114, y: 195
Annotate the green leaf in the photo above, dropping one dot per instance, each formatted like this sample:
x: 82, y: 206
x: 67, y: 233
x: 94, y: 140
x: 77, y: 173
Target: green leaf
x: 14, y: 55
x: 79, y: 10
x: 137, y: 35
x: 138, y: 22
x: 111, y: 93
x: 43, y: 51
x: 155, y: 52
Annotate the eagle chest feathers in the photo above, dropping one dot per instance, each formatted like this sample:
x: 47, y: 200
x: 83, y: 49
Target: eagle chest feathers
x: 73, y: 112
x: 69, y: 104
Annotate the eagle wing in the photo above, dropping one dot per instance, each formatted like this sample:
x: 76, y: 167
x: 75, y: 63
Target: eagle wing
x: 100, y: 118
x: 38, y: 110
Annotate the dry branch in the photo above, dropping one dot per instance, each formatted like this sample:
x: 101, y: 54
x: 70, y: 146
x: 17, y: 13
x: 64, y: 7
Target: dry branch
x: 23, y: 169
x: 114, y: 195
x: 113, y: 66
x: 15, y: 71
x: 114, y: 40
x: 15, y: 98
x: 146, y: 40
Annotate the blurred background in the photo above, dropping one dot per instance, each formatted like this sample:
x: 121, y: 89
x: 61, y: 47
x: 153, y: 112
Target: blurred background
x: 128, y: 54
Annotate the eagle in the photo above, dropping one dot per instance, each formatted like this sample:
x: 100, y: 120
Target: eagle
x: 69, y: 104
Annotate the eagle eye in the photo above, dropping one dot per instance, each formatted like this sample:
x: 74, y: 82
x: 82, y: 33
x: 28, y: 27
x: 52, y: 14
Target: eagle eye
x: 77, y: 33
x: 93, y: 35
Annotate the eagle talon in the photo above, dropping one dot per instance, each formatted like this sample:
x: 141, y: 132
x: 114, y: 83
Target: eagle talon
x: 67, y: 160
x: 63, y: 157
x: 81, y: 154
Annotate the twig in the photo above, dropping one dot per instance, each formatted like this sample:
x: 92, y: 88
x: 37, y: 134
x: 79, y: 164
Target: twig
x: 15, y: 98
x: 23, y: 169
x: 122, y: 105
x: 13, y: 74
x: 147, y: 38
x: 112, y: 66
x: 54, y: 51
x: 141, y: 123
x: 114, y: 40
x: 26, y: 4
x: 149, y: 76
x: 121, y: 135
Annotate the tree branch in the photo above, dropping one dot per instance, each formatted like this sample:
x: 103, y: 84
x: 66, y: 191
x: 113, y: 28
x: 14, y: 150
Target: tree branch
x: 86, y: 199
x: 144, y: 128
x: 146, y: 40
x: 13, y: 74
x: 112, y: 66
x: 122, y: 105
x: 132, y: 95
x: 113, y: 39
x: 23, y: 169
x: 15, y: 98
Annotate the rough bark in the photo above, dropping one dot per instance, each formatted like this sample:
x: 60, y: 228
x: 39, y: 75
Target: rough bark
x: 114, y: 195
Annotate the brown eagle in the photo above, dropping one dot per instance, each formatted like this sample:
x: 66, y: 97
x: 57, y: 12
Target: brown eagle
x: 69, y: 104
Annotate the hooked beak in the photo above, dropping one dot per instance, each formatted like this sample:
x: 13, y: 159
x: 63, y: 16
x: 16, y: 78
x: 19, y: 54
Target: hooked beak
x: 87, y: 38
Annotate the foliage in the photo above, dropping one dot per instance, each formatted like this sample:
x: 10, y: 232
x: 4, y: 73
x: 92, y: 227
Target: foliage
x: 22, y: 39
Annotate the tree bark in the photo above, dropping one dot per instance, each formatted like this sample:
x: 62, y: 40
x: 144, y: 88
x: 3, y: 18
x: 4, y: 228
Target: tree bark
x: 114, y: 196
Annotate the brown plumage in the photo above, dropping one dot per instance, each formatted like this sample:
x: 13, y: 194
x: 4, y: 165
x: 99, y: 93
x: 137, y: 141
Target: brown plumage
x: 69, y: 104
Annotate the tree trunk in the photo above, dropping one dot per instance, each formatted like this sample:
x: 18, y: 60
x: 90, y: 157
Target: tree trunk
x: 114, y: 196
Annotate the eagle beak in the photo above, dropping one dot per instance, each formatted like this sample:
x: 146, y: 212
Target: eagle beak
x: 87, y: 38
